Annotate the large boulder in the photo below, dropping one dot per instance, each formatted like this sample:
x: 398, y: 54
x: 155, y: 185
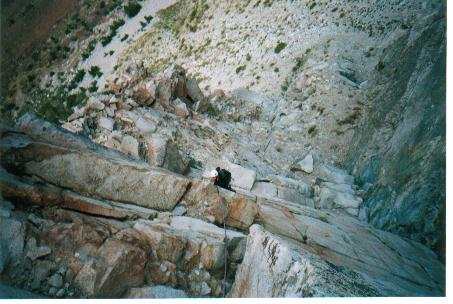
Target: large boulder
x: 116, y: 267
x: 305, y: 165
x: 241, y: 177
x: 188, y: 252
x: 265, y: 189
x: 277, y: 267
x: 46, y: 195
x: 206, y: 201
x: 73, y: 163
x: 145, y: 93
x: 12, y: 241
x: 163, y: 152
x: 397, y: 266
x: 193, y: 90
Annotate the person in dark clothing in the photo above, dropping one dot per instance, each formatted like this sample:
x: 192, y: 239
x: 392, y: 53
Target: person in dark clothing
x: 223, y: 179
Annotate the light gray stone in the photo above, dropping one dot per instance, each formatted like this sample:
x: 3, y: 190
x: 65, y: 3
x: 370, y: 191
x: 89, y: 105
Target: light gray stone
x: 181, y: 109
x: 155, y: 292
x: 396, y: 266
x: 277, y: 267
x: 129, y: 145
x: 106, y: 123
x: 305, y: 164
x: 241, y: 177
x: 145, y: 126
x: 264, y: 189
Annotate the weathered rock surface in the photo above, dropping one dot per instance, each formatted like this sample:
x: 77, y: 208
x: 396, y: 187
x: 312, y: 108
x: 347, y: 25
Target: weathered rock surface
x: 9, y: 292
x: 12, y: 241
x: 399, y: 150
x: 214, y: 204
x: 89, y: 170
x: 187, y: 252
x: 396, y: 265
x: 155, y: 292
x: 242, y: 177
x: 124, y: 244
x: 47, y: 195
x: 274, y: 266
x: 162, y: 152
x: 305, y: 165
x: 116, y: 267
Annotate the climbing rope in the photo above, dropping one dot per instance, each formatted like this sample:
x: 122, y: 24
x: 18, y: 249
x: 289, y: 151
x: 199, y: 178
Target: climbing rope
x: 226, y: 251
x: 222, y: 203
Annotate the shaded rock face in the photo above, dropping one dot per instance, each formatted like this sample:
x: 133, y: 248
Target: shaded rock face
x: 398, y: 153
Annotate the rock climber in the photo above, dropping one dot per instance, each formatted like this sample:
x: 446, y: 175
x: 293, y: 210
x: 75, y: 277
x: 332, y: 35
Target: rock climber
x: 221, y: 178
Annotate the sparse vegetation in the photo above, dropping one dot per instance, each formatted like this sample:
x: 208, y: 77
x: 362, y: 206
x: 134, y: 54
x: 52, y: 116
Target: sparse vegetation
x: 89, y: 49
x: 351, y: 118
x: 93, y: 86
x: 78, y: 77
x: 95, y: 71
x: 280, y: 46
x: 148, y: 18
x: 54, y: 104
x: 240, y: 68
x: 300, y: 62
x: 179, y: 16
x: 132, y: 8
x: 285, y: 85
x: 312, y: 131
x: 124, y: 37
x: 113, y: 31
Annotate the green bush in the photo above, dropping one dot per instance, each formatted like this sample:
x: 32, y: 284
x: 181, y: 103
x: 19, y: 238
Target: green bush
x: 78, y: 77
x: 113, y: 30
x: 93, y: 86
x: 124, y: 37
x: 280, y: 46
x: 95, y: 71
x: 89, y: 49
x: 56, y: 104
x: 132, y: 8
x: 240, y: 69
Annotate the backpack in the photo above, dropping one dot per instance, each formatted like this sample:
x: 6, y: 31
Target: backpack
x: 225, y: 177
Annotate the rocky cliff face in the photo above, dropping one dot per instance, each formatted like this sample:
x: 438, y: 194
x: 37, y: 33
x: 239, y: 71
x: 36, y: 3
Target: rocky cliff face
x: 329, y: 115
x: 67, y: 237
x: 398, y: 152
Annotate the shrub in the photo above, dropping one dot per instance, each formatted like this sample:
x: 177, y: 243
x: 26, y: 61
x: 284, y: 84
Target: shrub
x: 240, y: 69
x: 132, y: 8
x: 93, y: 86
x: 55, y: 104
x: 79, y: 75
x: 95, y: 71
x: 89, y: 49
x: 124, y: 37
x: 312, y: 130
x: 280, y: 46
x: 113, y: 30
x: 148, y: 18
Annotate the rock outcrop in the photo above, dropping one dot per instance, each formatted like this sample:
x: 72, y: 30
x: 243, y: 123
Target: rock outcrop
x: 398, y: 153
x: 101, y: 239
